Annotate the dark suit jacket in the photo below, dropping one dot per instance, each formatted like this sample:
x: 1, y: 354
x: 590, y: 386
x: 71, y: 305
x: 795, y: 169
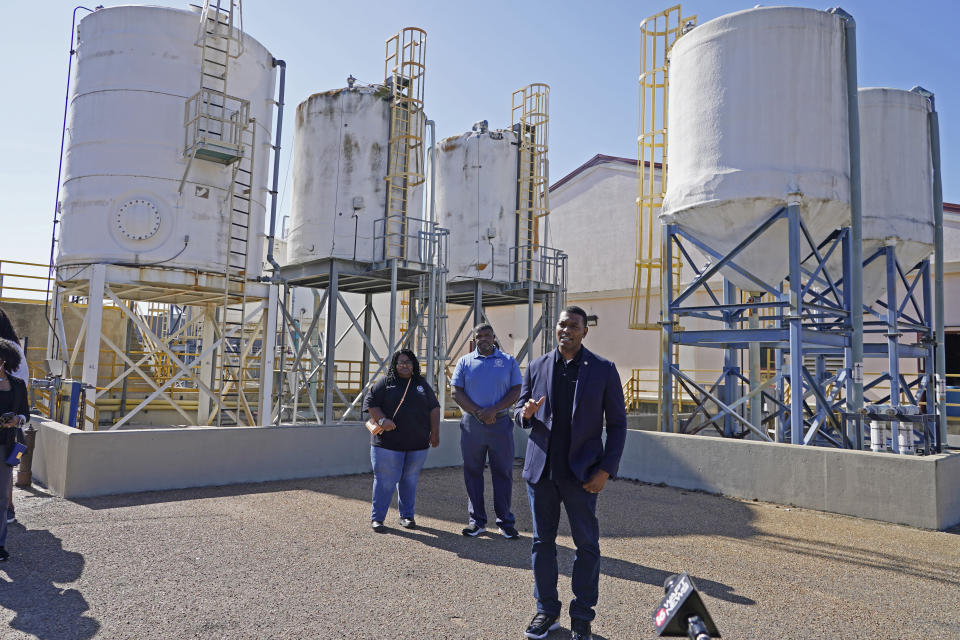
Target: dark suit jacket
x: 598, y: 395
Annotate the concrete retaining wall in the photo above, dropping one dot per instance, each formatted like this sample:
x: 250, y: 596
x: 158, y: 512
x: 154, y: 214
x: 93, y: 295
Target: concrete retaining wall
x: 917, y: 491
x: 921, y: 491
x: 76, y: 464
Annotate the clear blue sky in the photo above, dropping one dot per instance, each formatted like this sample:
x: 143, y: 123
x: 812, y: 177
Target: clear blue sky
x: 477, y: 55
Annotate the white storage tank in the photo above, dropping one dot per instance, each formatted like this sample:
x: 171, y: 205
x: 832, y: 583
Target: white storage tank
x: 897, y: 178
x: 136, y: 67
x: 758, y: 116
x: 341, y: 143
x: 476, y: 199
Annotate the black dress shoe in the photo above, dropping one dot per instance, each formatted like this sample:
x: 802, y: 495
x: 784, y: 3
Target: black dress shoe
x: 541, y: 625
x: 580, y: 630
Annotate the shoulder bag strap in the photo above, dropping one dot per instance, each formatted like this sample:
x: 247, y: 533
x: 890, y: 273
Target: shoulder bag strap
x: 402, y: 398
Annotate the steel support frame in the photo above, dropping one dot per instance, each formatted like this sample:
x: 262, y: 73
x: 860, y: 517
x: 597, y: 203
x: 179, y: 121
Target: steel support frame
x: 811, y: 315
x: 310, y: 364
x: 898, y: 314
x: 197, y: 373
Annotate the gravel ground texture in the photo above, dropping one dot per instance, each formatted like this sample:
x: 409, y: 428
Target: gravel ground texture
x: 297, y: 560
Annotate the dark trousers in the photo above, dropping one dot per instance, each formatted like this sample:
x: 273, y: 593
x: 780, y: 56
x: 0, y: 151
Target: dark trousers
x: 478, y: 443
x: 546, y: 497
x: 6, y: 481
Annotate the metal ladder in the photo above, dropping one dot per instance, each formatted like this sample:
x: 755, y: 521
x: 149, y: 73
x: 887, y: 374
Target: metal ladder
x: 658, y: 33
x: 214, y: 120
x: 530, y: 107
x: 403, y: 75
x: 219, y: 129
x: 234, y: 352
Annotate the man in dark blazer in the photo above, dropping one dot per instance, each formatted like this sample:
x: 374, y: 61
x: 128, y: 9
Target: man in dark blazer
x: 566, y: 396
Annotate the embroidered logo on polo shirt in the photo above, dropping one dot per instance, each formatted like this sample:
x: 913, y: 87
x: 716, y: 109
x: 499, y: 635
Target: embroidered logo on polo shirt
x: 498, y: 363
x: 420, y: 389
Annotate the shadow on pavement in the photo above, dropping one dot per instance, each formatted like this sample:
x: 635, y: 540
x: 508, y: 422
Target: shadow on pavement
x: 37, y: 564
x: 627, y: 509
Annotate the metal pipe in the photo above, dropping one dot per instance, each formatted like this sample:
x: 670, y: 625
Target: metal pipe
x: 276, y: 169
x: 392, y: 330
x: 531, y: 300
x: 431, y: 155
x: 934, y: 126
x: 433, y: 264
x: 855, y: 398
x: 56, y: 202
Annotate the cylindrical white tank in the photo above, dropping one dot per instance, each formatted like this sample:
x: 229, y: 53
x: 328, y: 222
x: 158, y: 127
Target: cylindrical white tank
x: 757, y: 117
x: 476, y: 199
x: 341, y: 143
x: 897, y: 181
x: 136, y: 67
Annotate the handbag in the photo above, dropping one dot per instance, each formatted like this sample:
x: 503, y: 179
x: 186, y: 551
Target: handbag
x: 17, y: 449
x: 372, y: 425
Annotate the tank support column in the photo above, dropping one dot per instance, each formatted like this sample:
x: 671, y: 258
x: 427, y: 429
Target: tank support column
x: 367, y: 328
x: 730, y: 369
x: 207, y: 337
x: 329, y: 366
x: 893, y: 355
x: 796, y: 328
x: 94, y: 317
x: 756, y: 403
x: 666, y: 336
x: 269, y: 354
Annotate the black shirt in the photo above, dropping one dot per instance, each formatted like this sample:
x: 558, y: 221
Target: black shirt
x: 413, y: 417
x: 564, y: 386
x: 15, y: 401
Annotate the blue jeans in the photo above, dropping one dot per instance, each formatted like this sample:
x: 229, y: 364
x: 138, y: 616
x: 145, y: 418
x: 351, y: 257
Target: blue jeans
x: 6, y: 481
x: 395, y: 471
x: 581, y: 507
x: 478, y: 443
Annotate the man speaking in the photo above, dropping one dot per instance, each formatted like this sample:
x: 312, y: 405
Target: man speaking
x: 566, y: 396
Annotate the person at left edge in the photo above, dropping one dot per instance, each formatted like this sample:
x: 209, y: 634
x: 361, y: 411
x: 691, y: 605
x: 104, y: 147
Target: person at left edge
x: 13, y: 405
x: 486, y: 383
x: 406, y: 408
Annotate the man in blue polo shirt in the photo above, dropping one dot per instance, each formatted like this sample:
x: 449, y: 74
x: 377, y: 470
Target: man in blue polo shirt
x: 486, y: 383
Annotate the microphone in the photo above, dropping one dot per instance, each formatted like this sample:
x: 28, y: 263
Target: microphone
x: 682, y: 612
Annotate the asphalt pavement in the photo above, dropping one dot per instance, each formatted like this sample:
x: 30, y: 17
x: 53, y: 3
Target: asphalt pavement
x: 297, y: 560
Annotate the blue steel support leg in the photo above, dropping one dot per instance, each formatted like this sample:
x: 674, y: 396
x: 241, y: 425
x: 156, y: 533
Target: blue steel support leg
x: 75, y: 387
x: 796, y: 340
x: 730, y: 360
x: 666, y: 334
x: 854, y: 432
x: 929, y: 362
x: 820, y: 375
x: 893, y: 358
x: 781, y: 392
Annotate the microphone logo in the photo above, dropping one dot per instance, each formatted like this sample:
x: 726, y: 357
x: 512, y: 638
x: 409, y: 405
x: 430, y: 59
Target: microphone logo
x: 661, y: 616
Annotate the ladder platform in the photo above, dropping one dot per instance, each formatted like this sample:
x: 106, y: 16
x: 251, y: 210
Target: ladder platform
x: 217, y: 151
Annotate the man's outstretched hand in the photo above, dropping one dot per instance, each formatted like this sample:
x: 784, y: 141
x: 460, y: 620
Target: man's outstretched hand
x: 531, y: 406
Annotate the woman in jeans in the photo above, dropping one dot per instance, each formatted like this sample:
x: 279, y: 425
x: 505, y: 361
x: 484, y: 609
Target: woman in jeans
x: 13, y: 410
x: 407, y: 413
x: 22, y: 372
